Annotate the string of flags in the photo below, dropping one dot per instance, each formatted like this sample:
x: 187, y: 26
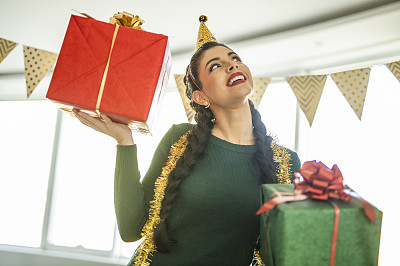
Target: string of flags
x: 37, y: 62
x: 308, y: 89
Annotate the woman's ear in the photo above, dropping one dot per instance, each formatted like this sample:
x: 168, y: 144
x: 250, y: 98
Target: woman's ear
x: 200, y: 98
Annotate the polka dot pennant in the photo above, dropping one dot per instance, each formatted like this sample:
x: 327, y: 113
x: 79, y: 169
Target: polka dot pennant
x: 6, y: 47
x: 37, y: 63
x: 395, y: 68
x: 259, y: 87
x: 353, y: 85
x: 308, y: 91
x: 185, y: 100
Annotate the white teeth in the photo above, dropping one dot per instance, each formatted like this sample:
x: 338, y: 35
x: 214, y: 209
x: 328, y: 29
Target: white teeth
x: 240, y: 77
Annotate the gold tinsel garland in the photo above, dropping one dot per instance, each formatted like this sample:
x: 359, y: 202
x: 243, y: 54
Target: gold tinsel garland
x: 148, y: 247
x: 258, y: 259
x: 282, y: 158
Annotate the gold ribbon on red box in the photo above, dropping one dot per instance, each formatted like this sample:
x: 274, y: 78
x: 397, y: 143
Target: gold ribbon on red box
x: 119, y: 19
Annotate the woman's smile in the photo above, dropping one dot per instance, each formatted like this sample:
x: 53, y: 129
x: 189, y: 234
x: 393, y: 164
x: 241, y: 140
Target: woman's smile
x: 236, y: 79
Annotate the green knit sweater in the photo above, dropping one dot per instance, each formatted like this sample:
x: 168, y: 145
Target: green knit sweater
x: 213, y: 221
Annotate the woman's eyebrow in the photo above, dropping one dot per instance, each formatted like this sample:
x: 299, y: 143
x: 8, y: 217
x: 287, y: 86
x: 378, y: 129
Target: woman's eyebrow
x: 217, y: 58
x: 214, y: 59
x: 232, y: 53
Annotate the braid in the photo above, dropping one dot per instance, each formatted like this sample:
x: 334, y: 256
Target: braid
x: 264, y: 153
x: 197, y: 143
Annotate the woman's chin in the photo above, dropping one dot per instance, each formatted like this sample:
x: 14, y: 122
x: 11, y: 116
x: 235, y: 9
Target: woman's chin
x: 244, y: 91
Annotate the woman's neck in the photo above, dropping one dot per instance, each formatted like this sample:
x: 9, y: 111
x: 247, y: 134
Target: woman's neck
x: 234, y: 125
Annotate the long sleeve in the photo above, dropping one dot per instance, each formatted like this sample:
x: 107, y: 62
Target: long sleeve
x: 130, y: 207
x: 295, y: 162
x: 132, y: 197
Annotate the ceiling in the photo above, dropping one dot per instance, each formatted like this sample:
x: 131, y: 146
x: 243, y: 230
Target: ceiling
x: 275, y: 38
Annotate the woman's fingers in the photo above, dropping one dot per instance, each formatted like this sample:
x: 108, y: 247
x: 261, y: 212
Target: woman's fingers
x: 106, y: 119
x: 120, y: 132
x: 92, y: 122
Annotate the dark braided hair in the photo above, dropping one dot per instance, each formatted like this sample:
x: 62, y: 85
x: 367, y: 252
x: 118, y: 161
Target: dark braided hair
x: 197, y: 142
x: 264, y: 153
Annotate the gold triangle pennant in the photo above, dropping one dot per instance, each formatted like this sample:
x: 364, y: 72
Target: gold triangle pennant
x: 259, y: 87
x: 185, y: 100
x: 353, y: 85
x: 395, y: 68
x: 308, y: 91
x: 6, y: 47
x: 37, y: 63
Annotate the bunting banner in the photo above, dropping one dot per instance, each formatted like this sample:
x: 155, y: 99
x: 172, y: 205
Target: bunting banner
x: 37, y: 63
x: 308, y: 91
x: 185, y: 100
x: 259, y: 87
x: 395, y: 68
x: 6, y: 47
x: 353, y: 84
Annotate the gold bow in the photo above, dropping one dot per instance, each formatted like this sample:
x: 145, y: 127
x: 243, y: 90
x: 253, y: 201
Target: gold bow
x: 128, y: 20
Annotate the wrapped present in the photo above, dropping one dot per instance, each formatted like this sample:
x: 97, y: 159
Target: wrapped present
x: 317, y: 221
x: 115, y: 70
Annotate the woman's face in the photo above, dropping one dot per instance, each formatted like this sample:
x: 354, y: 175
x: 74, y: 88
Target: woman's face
x: 226, y: 80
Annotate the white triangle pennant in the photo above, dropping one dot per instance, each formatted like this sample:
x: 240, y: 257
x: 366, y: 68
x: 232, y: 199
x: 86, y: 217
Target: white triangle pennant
x: 260, y: 84
x: 353, y: 85
x: 37, y: 63
x: 185, y: 100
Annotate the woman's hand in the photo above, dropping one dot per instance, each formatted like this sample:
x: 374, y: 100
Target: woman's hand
x: 121, y: 133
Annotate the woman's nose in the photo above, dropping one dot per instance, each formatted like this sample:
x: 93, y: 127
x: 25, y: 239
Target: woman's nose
x: 232, y: 66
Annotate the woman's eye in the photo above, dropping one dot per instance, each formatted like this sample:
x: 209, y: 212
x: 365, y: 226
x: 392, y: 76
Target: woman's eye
x: 237, y: 59
x: 214, y: 66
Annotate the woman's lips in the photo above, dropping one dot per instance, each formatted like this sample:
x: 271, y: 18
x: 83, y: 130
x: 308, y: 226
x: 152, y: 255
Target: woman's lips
x: 236, y: 79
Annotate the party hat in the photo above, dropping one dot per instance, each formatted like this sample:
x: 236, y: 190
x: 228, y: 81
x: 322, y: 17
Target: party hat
x: 205, y: 34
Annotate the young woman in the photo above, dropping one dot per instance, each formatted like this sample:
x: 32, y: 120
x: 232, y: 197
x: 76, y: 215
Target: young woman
x: 197, y: 202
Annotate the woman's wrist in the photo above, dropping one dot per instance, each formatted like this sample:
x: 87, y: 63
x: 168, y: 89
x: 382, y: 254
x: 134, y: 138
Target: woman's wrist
x: 126, y: 141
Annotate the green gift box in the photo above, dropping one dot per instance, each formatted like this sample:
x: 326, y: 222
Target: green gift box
x: 300, y: 232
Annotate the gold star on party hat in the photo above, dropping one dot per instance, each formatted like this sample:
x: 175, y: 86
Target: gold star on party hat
x: 205, y: 34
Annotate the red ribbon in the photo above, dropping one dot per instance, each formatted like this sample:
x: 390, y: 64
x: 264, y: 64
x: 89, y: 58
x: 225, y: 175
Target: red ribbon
x: 320, y: 183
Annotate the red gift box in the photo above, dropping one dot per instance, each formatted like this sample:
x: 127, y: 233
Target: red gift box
x: 113, y: 70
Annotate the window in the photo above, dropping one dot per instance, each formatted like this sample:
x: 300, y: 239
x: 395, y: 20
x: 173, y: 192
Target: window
x: 82, y: 213
x: 26, y: 144
x: 279, y: 104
